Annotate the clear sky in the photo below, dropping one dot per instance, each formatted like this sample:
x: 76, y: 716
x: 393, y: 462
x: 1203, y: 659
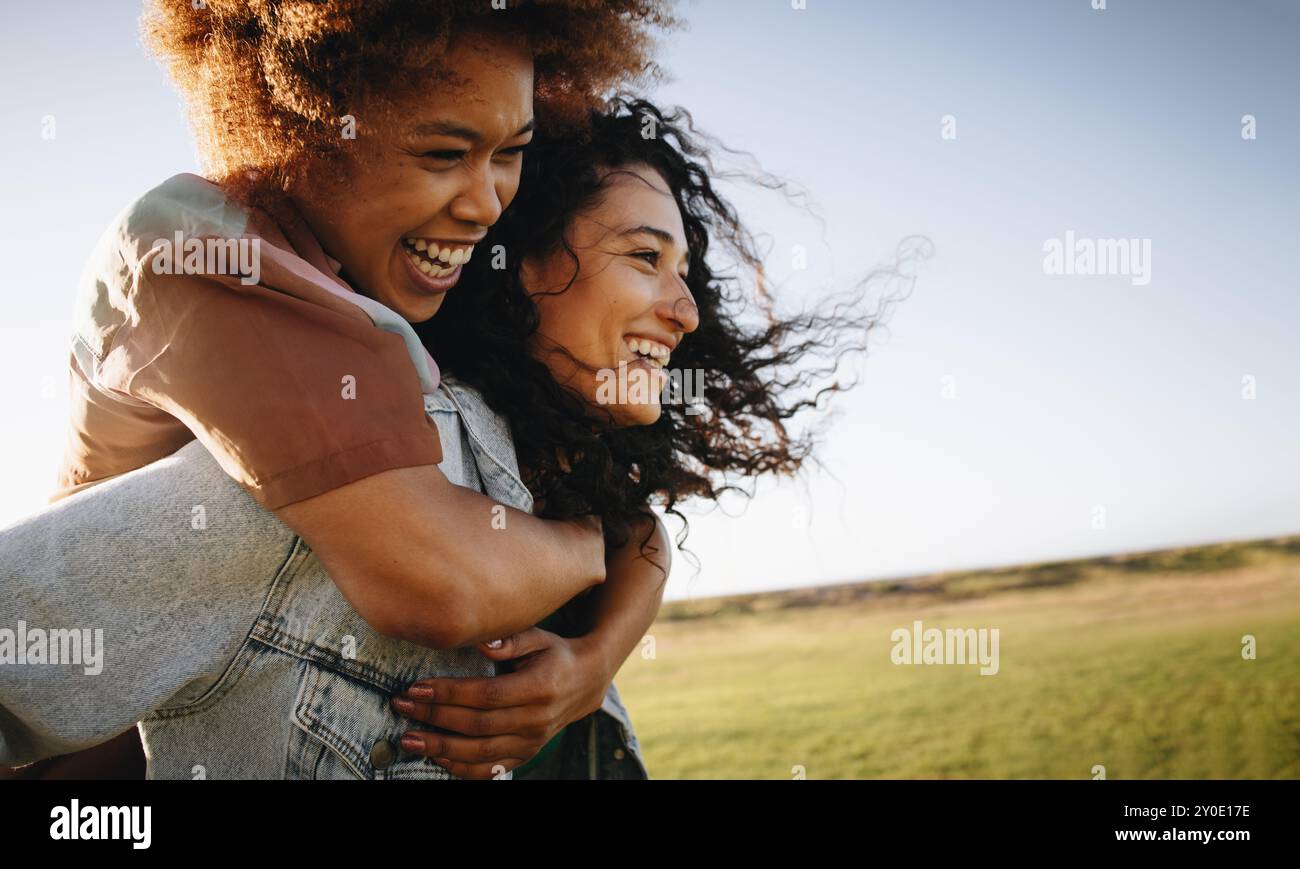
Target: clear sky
x: 1003, y: 406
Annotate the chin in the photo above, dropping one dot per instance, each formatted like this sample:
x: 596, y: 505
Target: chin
x: 418, y: 310
x: 411, y: 306
x: 639, y: 414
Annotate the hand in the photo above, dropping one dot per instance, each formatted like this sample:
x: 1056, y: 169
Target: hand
x: 500, y: 722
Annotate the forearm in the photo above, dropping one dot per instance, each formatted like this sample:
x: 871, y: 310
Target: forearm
x: 441, y: 565
x: 621, y: 610
x: 513, y: 570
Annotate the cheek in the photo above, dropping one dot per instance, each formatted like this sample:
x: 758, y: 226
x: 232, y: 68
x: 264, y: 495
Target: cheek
x: 363, y: 224
x: 508, y: 187
x: 399, y: 198
x: 589, y: 317
x: 422, y: 195
x: 566, y: 320
x: 631, y: 291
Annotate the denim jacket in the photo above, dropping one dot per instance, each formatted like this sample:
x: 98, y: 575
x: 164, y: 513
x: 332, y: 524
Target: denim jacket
x: 302, y: 693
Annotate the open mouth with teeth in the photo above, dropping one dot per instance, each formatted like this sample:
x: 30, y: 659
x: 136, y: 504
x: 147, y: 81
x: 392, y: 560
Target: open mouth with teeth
x: 654, y: 353
x: 437, y: 264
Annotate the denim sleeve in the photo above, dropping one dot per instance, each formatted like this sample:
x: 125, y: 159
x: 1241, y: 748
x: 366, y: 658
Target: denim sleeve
x: 128, y: 596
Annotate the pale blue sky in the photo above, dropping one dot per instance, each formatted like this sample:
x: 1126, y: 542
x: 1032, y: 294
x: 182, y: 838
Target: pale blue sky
x: 1071, y: 392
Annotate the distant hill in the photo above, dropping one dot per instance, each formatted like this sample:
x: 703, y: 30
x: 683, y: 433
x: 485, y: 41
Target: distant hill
x: 967, y: 584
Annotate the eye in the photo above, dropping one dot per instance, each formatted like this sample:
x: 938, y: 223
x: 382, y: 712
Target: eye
x: 449, y: 156
x: 650, y: 256
x: 516, y: 150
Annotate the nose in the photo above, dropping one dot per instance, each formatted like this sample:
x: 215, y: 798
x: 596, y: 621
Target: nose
x: 479, y: 201
x: 677, y: 308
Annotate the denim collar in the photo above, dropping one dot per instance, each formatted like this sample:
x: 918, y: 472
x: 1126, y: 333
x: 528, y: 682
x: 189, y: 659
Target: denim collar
x: 489, y: 437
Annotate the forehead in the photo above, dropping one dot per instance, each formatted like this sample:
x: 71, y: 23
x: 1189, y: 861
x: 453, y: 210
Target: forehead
x: 635, y: 196
x: 481, y: 63
x: 483, y: 81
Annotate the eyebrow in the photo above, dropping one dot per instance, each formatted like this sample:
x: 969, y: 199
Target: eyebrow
x: 661, y: 234
x: 459, y: 131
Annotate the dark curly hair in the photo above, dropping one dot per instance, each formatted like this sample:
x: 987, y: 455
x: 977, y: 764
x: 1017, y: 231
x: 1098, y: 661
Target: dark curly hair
x: 266, y: 82
x: 760, y: 369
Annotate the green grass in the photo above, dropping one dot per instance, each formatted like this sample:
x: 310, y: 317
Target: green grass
x: 1131, y: 662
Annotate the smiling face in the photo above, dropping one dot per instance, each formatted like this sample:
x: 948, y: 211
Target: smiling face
x: 628, y: 307
x: 426, y: 176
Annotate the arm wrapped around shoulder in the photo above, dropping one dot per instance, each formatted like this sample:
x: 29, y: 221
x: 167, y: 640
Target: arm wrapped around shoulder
x: 293, y: 398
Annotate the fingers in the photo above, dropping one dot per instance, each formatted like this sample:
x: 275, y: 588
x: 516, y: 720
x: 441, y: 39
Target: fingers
x: 487, y: 692
x: 517, y: 645
x: 448, y: 750
x: 526, y: 721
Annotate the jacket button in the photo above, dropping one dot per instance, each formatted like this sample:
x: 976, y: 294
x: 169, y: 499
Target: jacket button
x: 382, y: 754
x: 619, y: 754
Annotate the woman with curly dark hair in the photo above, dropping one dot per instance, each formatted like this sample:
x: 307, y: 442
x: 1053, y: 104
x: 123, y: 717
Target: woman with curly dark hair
x: 577, y: 236
x: 354, y: 152
x: 633, y: 371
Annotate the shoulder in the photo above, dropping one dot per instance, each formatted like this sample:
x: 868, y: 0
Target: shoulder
x: 492, y: 429
x: 185, y: 204
x: 488, y: 436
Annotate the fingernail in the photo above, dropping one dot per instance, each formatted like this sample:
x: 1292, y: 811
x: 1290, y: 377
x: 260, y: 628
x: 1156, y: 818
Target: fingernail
x: 420, y: 692
x: 495, y: 644
x: 403, y: 705
x: 411, y: 742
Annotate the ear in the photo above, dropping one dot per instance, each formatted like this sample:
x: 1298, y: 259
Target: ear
x: 529, y: 275
x: 532, y: 275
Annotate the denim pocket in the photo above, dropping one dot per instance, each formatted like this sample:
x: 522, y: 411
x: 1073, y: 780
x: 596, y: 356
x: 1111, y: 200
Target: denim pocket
x: 346, y: 729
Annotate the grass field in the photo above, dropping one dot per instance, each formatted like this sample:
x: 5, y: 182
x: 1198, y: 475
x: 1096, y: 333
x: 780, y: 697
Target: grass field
x: 1131, y: 662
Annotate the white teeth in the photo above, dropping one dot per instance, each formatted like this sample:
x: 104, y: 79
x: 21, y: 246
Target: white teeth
x: 652, y: 350
x: 438, y: 261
